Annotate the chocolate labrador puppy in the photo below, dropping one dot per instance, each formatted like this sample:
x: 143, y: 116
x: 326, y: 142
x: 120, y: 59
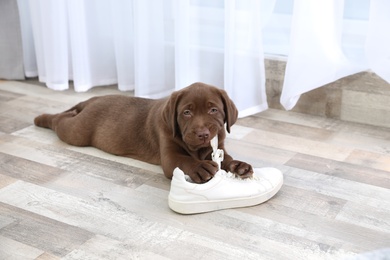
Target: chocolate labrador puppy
x: 173, y: 132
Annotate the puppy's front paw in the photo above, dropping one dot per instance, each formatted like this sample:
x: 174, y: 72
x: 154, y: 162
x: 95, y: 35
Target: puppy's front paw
x: 203, y: 171
x: 241, y: 169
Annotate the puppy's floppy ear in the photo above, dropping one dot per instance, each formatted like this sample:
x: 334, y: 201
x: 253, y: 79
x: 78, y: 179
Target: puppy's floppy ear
x: 169, y: 113
x: 231, y: 112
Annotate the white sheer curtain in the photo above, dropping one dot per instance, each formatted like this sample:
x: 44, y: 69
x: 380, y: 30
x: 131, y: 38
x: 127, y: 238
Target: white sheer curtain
x: 150, y: 46
x: 378, y: 39
x: 157, y: 46
x: 325, y: 45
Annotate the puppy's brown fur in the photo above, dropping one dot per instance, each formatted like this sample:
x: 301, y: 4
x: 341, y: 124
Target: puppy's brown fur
x: 172, y: 132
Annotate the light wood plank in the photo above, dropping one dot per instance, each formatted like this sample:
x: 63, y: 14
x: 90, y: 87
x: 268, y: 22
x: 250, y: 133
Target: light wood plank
x: 344, y: 170
x: 370, y: 159
x: 334, y: 125
x: 309, y: 202
x: 27, y: 170
x: 289, y: 129
x: 299, y: 145
x: 11, y: 249
x: 257, y: 154
x: 47, y: 136
x: 68, y: 160
x: 366, y: 216
x: 339, y: 188
x: 6, y: 180
x: 100, y: 247
x: 341, y: 237
x: 40, y: 232
x: 47, y: 256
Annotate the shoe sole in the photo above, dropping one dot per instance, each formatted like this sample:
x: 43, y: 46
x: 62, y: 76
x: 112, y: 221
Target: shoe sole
x: 195, y: 207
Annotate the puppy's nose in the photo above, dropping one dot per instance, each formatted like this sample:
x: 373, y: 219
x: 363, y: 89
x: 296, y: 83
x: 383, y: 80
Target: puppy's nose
x: 203, y: 134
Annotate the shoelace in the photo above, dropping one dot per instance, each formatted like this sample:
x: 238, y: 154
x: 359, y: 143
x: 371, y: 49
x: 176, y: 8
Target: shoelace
x: 218, y: 156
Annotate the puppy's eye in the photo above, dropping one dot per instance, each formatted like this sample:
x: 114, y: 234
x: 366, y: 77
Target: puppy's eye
x: 213, y: 110
x: 187, y: 112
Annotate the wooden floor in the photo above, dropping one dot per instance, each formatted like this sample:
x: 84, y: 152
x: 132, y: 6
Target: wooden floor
x: 64, y: 202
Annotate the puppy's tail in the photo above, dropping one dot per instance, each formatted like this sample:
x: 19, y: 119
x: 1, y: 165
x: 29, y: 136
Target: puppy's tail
x: 51, y: 121
x: 44, y: 120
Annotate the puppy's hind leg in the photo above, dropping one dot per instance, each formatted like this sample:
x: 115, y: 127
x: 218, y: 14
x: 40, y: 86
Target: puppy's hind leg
x: 71, y: 126
x: 68, y: 126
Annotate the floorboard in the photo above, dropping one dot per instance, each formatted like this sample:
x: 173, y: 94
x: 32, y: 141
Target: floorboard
x: 63, y: 202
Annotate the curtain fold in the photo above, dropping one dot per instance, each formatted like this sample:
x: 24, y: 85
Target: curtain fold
x: 49, y: 24
x: 244, y: 57
x: 123, y: 37
x: 182, y: 42
x: 79, y: 50
x: 320, y: 52
x: 29, y: 57
x: 378, y: 39
x: 316, y: 56
x: 149, y: 48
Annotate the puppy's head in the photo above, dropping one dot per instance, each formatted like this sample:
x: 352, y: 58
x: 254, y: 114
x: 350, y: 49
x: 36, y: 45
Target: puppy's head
x: 198, y: 112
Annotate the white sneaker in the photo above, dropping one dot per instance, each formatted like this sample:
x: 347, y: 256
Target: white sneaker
x: 223, y: 191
